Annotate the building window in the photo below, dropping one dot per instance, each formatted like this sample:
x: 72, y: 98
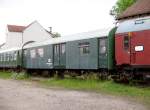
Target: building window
x: 126, y: 42
x: 84, y: 48
x: 102, y: 46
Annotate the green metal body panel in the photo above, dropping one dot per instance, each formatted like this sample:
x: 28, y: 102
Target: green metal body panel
x: 19, y: 58
x: 93, y: 60
x: 111, y: 49
x: 59, y: 56
x: 38, y: 62
x: 8, y: 59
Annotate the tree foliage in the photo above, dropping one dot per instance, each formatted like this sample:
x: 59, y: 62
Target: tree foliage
x: 121, y: 6
x: 56, y: 34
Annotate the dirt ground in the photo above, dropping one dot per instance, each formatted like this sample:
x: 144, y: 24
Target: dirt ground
x: 19, y: 95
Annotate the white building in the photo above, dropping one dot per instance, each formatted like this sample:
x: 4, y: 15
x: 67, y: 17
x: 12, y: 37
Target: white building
x: 16, y: 36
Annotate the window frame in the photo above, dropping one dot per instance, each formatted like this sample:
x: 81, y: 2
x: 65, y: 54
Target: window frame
x: 102, y: 45
x: 126, y: 42
x: 40, y: 52
x: 33, y: 53
x: 63, y: 48
x: 84, y: 48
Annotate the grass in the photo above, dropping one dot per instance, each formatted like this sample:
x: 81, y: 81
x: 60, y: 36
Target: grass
x: 95, y: 85
x: 5, y: 75
x: 13, y: 75
x: 106, y: 87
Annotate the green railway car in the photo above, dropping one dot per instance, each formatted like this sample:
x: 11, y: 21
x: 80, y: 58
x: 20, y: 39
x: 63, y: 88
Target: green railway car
x: 39, y: 57
x: 82, y: 51
x: 10, y: 58
x: 87, y: 54
x: 111, y: 49
x: 93, y: 50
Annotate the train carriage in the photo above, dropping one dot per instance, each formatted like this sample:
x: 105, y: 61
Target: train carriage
x: 86, y: 51
x: 10, y: 58
x: 89, y: 53
x: 133, y: 43
x: 39, y: 57
x: 132, y: 48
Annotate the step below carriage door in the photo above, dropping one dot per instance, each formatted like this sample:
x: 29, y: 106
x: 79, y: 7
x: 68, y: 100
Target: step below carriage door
x: 60, y: 55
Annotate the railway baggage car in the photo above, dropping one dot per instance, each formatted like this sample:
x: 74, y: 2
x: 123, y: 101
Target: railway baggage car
x: 82, y: 51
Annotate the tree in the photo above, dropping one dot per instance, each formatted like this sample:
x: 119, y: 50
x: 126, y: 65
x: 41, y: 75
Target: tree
x: 56, y: 34
x: 121, y: 6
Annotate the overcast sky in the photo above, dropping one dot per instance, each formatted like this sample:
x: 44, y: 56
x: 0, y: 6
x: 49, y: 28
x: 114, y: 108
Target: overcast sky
x: 65, y: 16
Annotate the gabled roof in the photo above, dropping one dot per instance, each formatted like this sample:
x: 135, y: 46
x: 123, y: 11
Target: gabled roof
x: 39, y: 24
x: 141, y: 7
x: 15, y: 28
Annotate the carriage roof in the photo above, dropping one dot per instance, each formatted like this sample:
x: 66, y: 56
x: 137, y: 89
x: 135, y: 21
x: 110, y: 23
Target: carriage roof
x: 79, y: 36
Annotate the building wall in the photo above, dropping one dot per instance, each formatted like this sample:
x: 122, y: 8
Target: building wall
x: 35, y: 32
x: 13, y: 39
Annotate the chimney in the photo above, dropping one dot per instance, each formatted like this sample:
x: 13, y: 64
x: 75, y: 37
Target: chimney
x: 50, y: 29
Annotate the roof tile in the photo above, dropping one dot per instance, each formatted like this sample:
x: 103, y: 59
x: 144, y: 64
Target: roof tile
x: 139, y: 8
x: 15, y: 28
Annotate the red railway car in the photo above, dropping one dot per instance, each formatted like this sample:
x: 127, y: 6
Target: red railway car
x: 132, y: 43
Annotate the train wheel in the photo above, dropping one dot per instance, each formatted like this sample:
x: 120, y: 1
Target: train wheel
x: 45, y: 73
x: 103, y: 75
x: 51, y: 74
x: 60, y: 74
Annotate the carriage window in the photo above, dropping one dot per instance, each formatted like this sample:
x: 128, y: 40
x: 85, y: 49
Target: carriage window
x: 11, y: 56
x: 84, y: 48
x: 102, y: 45
x: 41, y: 52
x: 32, y: 53
x: 126, y: 42
x: 2, y: 57
x: 63, y: 48
x: 25, y: 52
x: 56, y: 49
x: 7, y: 56
x: 15, y: 56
